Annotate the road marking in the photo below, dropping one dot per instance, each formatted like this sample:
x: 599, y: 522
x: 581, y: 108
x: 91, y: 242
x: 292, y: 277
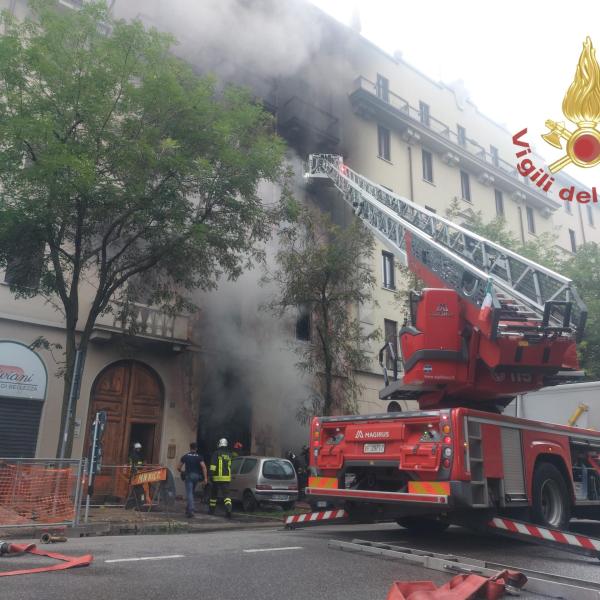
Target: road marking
x: 117, y: 560
x: 273, y: 549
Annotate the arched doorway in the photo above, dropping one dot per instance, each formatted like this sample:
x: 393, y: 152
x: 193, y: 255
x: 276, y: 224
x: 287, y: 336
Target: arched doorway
x: 131, y: 393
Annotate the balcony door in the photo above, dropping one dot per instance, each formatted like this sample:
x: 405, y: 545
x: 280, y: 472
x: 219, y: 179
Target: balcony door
x: 131, y: 394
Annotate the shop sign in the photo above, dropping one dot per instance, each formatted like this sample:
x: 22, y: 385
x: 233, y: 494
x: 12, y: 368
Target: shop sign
x: 22, y: 372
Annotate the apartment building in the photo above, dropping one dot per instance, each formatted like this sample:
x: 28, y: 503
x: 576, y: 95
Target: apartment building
x: 331, y: 91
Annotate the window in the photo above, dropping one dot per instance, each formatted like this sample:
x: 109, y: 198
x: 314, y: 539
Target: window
x: 590, y: 214
x: 388, y: 271
x: 383, y: 88
x: 430, y: 209
x: 499, y: 203
x: 383, y: 142
x: 461, y: 135
x: 427, y: 166
x: 424, y: 113
x: 530, y: 219
x: 236, y: 463
x: 572, y: 240
x: 25, y: 269
x: 278, y: 469
x: 390, y: 329
x: 495, y: 156
x: 303, y: 324
x: 249, y: 464
x: 465, y: 186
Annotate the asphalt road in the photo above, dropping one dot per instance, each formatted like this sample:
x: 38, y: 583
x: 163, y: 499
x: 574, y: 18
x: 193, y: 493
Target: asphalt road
x: 263, y: 565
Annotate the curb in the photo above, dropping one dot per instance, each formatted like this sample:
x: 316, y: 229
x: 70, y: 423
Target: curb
x: 108, y: 528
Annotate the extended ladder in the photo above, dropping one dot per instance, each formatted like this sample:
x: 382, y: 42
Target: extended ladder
x: 527, y: 296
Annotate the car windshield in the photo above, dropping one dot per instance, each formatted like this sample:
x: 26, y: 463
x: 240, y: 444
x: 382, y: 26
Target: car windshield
x: 278, y: 469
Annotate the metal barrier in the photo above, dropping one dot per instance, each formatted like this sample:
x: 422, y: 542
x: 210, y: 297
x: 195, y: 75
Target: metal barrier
x: 111, y: 484
x: 39, y: 491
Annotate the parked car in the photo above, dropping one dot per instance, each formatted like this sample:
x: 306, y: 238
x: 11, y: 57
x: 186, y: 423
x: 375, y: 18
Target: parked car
x: 263, y: 479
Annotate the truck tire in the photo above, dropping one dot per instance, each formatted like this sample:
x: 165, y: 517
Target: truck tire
x: 551, y: 505
x: 423, y: 525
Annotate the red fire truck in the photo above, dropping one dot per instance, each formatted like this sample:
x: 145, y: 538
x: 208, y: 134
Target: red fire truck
x: 489, y: 325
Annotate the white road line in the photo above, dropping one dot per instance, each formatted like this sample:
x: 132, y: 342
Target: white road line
x: 273, y: 549
x: 118, y: 560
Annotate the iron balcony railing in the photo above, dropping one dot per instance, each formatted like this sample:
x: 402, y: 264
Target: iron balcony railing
x: 466, y: 144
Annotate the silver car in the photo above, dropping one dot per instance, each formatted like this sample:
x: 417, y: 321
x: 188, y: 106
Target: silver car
x: 263, y: 479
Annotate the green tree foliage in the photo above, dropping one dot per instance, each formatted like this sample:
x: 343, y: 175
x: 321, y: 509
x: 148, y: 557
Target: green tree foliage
x: 583, y: 268
x: 327, y: 269
x: 120, y: 165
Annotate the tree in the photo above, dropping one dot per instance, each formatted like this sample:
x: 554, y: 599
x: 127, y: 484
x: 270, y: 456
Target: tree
x: 119, y: 164
x: 583, y: 268
x: 327, y: 269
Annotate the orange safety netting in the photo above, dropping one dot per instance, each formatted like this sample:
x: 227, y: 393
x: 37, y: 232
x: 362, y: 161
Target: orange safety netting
x: 36, y: 494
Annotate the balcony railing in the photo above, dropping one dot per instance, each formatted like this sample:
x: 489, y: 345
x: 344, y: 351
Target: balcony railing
x: 144, y: 321
x: 465, y: 144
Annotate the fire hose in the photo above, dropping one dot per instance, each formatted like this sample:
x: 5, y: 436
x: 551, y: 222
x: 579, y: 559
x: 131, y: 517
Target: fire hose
x: 67, y: 562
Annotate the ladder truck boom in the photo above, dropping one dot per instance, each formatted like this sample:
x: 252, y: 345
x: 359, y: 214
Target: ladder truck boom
x: 491, y: 323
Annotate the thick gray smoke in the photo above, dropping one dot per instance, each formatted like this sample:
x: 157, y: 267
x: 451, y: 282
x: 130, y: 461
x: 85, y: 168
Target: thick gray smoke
x: 271, y: 38
x: 251, y: 389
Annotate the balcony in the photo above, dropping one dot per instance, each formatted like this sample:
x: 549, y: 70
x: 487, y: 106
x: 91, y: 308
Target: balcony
x: 395, y: 112
x: 145, y: 325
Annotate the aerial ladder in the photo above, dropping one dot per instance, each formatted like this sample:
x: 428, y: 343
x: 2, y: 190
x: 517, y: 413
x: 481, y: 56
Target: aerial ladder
x: 490, y: 324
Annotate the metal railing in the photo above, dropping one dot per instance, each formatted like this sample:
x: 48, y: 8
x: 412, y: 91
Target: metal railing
x: 453, y: 253
x: 466, y: 144
x: 38, y: 492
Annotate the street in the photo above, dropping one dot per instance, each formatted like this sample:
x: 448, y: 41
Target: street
x: 264, y: 564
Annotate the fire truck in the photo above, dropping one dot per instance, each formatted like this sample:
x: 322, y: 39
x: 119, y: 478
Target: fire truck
x: 489, y: 325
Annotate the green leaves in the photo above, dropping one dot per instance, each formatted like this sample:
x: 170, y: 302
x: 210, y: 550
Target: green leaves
x: 325, y: 269
x: 119, y: 162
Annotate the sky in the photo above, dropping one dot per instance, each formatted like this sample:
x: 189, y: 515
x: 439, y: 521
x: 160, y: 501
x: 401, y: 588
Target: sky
x: 516, y: 58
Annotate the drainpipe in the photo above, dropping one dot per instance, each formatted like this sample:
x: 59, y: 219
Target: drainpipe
x: 581, y: 223
x: 410, y: 175
x: 521, y: 228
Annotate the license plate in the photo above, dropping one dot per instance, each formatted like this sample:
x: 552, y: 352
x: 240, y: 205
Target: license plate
x: 280, y: 497
x: 374, y: 448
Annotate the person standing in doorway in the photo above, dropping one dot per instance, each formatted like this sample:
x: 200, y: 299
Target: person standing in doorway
x: 220, y: 474
x: 195, y: 472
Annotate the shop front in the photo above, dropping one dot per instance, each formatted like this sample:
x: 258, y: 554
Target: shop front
x: 23, y: 383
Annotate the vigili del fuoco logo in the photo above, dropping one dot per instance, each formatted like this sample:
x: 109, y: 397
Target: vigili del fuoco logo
x: 581, y: 105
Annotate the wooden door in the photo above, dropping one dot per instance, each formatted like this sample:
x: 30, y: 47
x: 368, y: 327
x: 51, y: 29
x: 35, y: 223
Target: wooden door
x: 131, y: 394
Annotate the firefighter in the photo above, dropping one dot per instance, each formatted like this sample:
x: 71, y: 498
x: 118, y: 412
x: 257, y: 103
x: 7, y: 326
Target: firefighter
x: 136, y: 458
x: 220, y: 475
x: 238, y: 450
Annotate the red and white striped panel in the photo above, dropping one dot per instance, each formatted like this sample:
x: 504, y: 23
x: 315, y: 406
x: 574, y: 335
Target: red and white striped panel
x: 325, y: 515
x: 551, y: 535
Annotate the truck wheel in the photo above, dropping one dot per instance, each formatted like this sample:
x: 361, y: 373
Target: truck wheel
x: 423, y: 525
x: 551, y: 505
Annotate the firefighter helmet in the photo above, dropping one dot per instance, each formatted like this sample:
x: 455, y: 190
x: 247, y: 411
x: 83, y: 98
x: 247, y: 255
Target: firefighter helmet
x: 222, y: 443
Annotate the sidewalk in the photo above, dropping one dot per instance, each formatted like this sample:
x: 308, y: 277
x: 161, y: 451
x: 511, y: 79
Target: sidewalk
x: 116, y: 520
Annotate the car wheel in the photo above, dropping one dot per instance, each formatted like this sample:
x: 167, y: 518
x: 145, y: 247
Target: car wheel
x: 423, y: 525
x: 288, y: 505
x: 550, y: 503
x: 249, y: 503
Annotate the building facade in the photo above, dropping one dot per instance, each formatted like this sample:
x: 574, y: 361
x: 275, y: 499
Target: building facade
x: 229, y: 369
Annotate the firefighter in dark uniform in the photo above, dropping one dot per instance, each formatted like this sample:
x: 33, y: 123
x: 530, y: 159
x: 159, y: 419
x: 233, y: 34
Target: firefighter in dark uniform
x: 220, y: 475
